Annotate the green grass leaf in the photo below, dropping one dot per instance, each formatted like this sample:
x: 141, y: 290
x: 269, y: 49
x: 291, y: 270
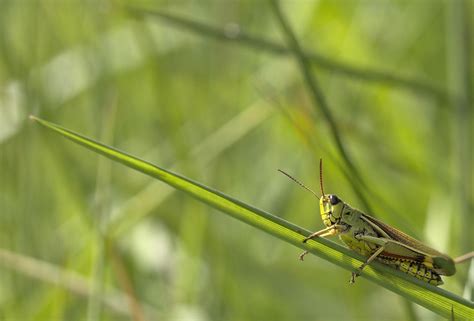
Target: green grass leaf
x: 433, y: 298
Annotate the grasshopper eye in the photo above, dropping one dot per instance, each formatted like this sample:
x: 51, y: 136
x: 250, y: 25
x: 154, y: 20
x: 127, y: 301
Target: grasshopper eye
x: 333, y: 199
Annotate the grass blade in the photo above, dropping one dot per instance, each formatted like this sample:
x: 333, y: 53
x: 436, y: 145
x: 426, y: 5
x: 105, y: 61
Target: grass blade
x: 435, y: 299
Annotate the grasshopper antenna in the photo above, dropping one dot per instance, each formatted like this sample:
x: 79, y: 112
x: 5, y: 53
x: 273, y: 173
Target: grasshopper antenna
x: 299, y: 183
x: 321, y: 175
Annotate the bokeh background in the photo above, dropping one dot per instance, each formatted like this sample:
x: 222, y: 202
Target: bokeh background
x: 211, y: 90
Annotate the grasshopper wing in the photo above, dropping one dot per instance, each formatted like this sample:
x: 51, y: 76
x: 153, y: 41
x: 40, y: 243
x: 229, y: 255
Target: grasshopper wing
x: 405, y: 246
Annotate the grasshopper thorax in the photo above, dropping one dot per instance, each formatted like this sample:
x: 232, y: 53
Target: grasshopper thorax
x: 331, y: 208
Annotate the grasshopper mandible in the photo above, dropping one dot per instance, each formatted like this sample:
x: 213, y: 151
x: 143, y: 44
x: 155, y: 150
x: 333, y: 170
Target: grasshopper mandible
x: 376, y: 240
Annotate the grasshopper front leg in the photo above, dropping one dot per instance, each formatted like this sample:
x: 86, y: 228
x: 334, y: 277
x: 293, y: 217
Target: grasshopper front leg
x: 369, y: 239
x: 328, y: 231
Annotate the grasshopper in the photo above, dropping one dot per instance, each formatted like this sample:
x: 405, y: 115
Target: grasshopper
x: 374, y: 239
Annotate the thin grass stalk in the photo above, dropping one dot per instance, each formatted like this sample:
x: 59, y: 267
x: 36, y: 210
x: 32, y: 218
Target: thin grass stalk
x: 459, y: 16
x: 319, y: 101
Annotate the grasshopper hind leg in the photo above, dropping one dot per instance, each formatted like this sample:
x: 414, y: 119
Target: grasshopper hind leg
x: 370, y: 259
x: 360, y: 268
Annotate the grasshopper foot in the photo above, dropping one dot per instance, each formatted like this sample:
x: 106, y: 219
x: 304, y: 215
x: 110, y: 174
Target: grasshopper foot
x: 302, y: 255
x: 353, y: 277
x: 356, y: 274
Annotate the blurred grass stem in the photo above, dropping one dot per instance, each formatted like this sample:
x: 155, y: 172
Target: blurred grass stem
x: 69, y: 280
x: 319, y: 101
x: 459, y: 18
x: 324, y: 62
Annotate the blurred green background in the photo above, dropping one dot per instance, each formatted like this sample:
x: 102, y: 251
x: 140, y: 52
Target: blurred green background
x: 218, y: 98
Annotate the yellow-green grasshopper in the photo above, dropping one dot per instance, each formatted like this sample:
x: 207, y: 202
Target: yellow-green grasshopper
x: 376, y: 240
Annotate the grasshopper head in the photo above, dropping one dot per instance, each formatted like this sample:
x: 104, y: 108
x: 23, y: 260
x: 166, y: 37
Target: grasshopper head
x: 330, y: 205
x: 331, y: 208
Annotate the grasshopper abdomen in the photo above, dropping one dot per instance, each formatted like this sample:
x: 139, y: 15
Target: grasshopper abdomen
x: 414, y: 268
